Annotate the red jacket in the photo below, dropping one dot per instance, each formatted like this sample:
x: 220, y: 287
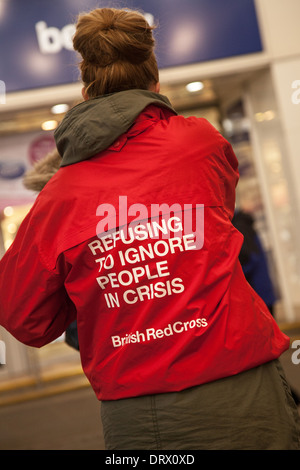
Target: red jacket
x: 155, y: 314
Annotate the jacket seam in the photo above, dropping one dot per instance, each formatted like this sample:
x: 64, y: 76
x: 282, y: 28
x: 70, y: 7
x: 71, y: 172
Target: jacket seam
x: 155, y: 423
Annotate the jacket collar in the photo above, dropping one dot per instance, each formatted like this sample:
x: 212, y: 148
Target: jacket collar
x: 93, y: 125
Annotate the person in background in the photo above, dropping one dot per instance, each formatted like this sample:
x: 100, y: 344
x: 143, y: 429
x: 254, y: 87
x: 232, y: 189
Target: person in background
x: 253, y: 259
x: 255, y: 265
x: 178, y: 348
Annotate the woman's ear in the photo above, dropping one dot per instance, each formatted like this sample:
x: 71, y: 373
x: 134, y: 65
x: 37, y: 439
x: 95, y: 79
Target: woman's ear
x: 84, y: 94
x: 155, y: 87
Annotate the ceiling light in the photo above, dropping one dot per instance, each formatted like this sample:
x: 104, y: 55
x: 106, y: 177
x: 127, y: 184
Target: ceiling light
x: 269, y: 115
x: 266, y: 116
x: 49, y: 125
x: 194, y: 86
x: 259, y: 117
x: 7, y: 244
x: 59, y: 108
x: 12, y: 228
x: 8, y: 211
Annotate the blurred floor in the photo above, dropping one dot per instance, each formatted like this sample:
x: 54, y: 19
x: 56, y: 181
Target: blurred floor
x: 66, y: 421
x: 65, y: 414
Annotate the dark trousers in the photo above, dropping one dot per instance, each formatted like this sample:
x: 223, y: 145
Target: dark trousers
x: 253, y: 410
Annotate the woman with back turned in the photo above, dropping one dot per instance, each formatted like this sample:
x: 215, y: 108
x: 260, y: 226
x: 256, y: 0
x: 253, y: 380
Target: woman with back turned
x: 178, y: 348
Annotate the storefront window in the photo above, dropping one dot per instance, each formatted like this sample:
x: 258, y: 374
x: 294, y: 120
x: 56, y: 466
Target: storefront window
x: 272, y: 164
x: 23, y: 365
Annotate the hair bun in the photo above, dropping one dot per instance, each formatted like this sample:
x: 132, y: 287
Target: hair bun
x: 108, y: 35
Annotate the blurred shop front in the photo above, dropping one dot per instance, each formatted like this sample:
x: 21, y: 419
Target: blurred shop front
x: 241, y: 60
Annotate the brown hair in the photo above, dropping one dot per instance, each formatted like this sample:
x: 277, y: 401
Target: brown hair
x: 117, y: 49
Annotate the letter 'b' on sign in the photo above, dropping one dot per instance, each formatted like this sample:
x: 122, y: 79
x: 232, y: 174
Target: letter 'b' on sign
x: 52, y: 40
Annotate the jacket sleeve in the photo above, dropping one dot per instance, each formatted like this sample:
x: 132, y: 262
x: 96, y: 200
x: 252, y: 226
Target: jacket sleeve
x: 34, y: 306
x: 222, y: 165
x: 230, y: 177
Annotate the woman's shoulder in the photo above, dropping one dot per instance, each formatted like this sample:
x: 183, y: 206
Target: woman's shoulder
x: 195, y: 127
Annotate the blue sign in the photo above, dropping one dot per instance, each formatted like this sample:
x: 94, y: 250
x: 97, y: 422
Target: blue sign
x: 36, y: 36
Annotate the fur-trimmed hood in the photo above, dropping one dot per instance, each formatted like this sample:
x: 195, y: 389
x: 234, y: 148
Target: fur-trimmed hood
x: 36, y: 178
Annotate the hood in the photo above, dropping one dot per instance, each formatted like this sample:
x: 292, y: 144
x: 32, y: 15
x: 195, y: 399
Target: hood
x: 92, y: 126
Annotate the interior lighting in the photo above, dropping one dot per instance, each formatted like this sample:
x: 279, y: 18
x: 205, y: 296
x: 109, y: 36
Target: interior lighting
x: 12, y: 228
x: 259, y: 117
x: 194, y: 86
x: 7, y: 244
x: 266, y: 116
x: 59, y: 108
x: 269, y: 115
x: 8, y: 211
x: 49, y: 125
